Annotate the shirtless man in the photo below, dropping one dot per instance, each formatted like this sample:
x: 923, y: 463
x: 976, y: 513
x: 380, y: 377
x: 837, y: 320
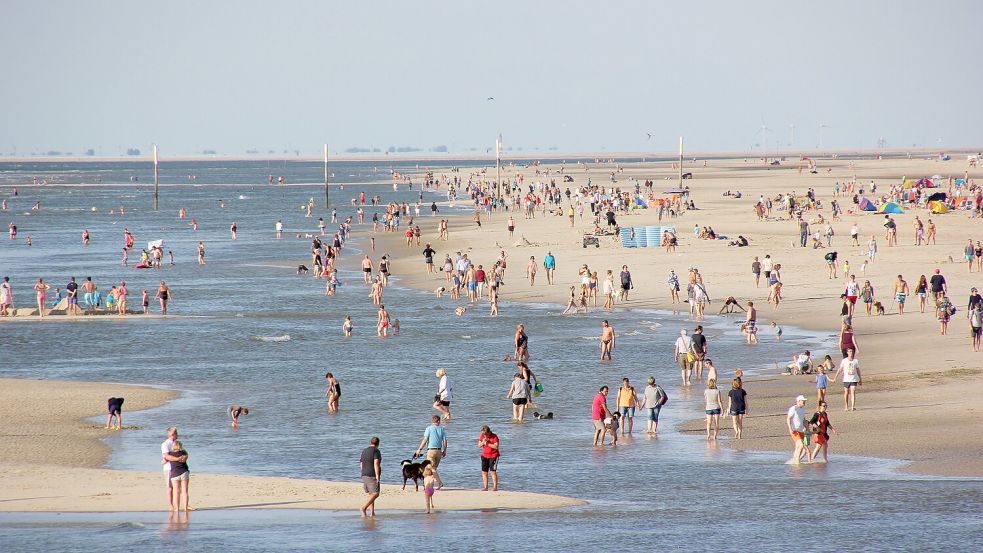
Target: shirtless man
x: 367, y: 270
x: 607, y: 340
x: 900, y: 293
x: 750, y: 323
x: 88, y: 289
x: 382, y: 326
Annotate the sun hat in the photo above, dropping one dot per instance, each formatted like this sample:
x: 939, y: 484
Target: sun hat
x: 801, y: 398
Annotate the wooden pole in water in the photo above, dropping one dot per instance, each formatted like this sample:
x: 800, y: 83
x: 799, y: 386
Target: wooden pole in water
x: 327, y: 200
x: 156, y: 197
x: 680, y: 162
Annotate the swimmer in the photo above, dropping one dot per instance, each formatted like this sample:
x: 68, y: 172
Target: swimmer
x: 382, y: 324
x: 333, y: 393
x: 234, y: 412
x: 347, y: 326
x: 607, y: 340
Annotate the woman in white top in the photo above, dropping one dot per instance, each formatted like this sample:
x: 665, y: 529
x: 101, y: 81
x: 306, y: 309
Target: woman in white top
x: 713, y: 408
x: 609, y: 291
x: 852, y: 378
x: 445, y: 392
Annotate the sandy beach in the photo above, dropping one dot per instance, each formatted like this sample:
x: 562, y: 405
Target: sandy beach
x: 52, y: 458
x: 912, y: 405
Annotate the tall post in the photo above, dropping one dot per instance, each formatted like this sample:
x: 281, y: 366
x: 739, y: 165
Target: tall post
x: 680, y: 162
x: 327, y: 201
x: 156, y: 174
x: 498, y: 164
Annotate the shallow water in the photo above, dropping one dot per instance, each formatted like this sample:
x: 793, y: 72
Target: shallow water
x: 673, y: 491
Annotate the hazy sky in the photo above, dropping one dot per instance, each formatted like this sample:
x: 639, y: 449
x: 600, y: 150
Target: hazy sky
x: 577, y: 76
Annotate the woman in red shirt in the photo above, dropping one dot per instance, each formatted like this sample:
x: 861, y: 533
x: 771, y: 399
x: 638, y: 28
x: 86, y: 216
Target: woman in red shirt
x: 488, y: 442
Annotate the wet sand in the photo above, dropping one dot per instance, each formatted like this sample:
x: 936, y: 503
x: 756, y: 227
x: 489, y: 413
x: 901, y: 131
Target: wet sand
x: 52, y: 458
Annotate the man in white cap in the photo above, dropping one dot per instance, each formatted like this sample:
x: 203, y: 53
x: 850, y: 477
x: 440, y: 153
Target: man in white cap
x: 797, y: 428
x: 684, y: 347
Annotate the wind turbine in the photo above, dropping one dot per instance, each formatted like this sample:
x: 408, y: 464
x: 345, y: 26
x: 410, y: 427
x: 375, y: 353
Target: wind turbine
x: 764, y: 136
x: 821, y: 127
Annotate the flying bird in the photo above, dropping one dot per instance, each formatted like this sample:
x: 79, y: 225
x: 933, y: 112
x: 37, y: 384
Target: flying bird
x: 490, y: 98
x: 649, y: 135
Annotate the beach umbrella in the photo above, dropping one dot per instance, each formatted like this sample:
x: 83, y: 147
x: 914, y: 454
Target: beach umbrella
x: 890, y: 207
x: 937, y: 196
x: 867, y: 205
x: 938, y: 207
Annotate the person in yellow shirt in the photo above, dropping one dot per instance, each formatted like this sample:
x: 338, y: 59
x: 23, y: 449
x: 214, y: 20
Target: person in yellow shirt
x: 627, y: 401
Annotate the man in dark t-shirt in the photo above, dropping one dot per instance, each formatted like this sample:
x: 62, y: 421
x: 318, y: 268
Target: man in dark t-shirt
x: 699, y: 351
x: 428, y: 255
x: 370, y: 464
x: 73, y: 296
x: 937, y: 283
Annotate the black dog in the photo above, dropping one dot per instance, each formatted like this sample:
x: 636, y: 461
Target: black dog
x: 413, y: 471
x: 539, y: 416
x: 301, y: 269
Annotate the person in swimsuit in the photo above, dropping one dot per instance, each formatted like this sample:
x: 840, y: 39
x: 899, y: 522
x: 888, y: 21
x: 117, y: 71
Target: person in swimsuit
x: 333, y: 392
x: 382, y: 324
x: 900, y: 293
x: 428, y: 488
x: 366, y: 270
x: 347, y: 326
x: 235, y: 411
x: 164, y: 295
x: 607, y: 340
x: 521, y: 343
x: 41, y: 288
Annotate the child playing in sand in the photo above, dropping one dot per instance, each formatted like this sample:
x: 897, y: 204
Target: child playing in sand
x: 234, y: 412
x: 428, y: 488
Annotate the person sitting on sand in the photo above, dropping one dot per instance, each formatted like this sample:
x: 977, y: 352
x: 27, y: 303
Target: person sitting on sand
x: 801, y: 364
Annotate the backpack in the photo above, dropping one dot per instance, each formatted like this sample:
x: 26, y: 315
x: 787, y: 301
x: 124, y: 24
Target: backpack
x: 665, y: 398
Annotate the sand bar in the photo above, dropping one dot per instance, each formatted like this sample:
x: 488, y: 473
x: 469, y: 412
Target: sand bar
x: 52, y: 458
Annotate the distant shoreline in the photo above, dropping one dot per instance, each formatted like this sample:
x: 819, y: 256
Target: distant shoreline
x: 510, y: 155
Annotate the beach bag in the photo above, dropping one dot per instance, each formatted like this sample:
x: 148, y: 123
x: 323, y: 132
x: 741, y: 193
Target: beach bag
x: 664, y: 399
x: 690, y: 357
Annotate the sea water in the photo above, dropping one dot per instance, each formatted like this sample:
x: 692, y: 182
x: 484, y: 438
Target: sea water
x: 248, y: 330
